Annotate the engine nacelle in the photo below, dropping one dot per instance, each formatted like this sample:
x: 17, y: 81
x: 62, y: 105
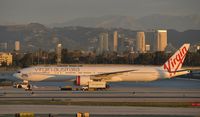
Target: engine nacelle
x: 83, y: 80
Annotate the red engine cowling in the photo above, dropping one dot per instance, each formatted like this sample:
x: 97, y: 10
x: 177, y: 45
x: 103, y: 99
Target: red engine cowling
x: 82, y: 80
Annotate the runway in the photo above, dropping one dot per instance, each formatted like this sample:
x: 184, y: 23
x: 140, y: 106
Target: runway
x: 103, y: 95
x: 164, y: 90
x: 129, y: 98
x: 99, y: 110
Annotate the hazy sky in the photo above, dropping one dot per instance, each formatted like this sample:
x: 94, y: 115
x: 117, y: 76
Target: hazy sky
x: 57, y: 11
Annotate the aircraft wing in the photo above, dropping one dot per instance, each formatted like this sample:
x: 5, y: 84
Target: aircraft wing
x: 107, y: 76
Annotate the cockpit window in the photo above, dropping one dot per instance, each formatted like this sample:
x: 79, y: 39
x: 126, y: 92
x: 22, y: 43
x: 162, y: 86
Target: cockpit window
x: 19, y: 72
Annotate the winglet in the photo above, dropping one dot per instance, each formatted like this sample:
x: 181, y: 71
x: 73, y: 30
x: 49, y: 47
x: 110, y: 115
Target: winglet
x: 175, y: 62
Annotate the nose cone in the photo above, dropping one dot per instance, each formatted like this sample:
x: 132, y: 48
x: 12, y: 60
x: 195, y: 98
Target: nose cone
x: 17, y: 75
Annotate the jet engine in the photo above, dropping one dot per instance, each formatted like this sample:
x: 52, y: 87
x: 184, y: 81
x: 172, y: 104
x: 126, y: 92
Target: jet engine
x: 82, y: 80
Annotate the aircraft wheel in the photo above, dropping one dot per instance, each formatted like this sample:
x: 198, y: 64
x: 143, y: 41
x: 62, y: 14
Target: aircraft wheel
x: 19, y: 86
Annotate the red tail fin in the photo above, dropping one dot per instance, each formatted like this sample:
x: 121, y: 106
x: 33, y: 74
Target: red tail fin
x: 175, y: 62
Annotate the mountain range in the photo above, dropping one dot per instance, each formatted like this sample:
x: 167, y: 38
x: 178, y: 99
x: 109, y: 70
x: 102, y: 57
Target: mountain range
x: 34, y: 36
x: 155, y: 21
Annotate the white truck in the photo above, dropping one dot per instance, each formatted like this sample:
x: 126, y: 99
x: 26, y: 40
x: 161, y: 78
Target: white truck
x: 94, y: 85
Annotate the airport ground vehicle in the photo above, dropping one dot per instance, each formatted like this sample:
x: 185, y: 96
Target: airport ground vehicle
x: 94, y: 86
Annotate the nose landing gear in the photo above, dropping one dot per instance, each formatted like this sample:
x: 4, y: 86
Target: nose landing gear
x: 25, y: 84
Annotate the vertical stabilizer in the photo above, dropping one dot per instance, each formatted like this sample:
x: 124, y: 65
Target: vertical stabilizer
x: 175, y: 62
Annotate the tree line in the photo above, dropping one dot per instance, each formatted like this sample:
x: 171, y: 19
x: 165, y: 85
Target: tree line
x: 79, y: 57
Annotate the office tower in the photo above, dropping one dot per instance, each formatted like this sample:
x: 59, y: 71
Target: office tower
x: 147, y: 48
x: 140, y: 42
x: 58, y: 53
x: 103, y: 42
x: 161, y: 40
x: 17, y: 45
x: 115, y: 41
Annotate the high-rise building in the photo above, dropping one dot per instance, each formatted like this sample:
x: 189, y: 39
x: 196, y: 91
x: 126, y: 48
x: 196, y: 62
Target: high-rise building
x: 103, y: 42
x: 140, y: 42
x: 147, y: 48
x: 161, y: 40
x: 17, y: 45
x: 58, y: 53
x: 115, y: 41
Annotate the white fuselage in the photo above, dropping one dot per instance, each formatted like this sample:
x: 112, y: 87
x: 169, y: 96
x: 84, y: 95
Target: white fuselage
x: 136, y: 73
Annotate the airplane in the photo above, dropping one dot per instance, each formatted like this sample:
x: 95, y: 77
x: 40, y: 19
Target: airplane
x: 108, y: 73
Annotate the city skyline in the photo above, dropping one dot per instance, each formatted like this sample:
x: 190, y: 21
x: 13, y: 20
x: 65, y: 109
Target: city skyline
x: 99, y: 42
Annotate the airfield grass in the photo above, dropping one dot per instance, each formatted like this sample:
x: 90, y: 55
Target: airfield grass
x: 95, y: 103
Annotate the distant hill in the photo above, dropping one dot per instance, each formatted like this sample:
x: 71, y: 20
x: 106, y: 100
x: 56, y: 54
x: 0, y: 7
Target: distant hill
x: 178, y: 38
x: 101, y: 22
x: 155, y: 21
x: 34, y: 36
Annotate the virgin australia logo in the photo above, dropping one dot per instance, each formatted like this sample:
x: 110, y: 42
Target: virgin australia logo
x: 175, y: 62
